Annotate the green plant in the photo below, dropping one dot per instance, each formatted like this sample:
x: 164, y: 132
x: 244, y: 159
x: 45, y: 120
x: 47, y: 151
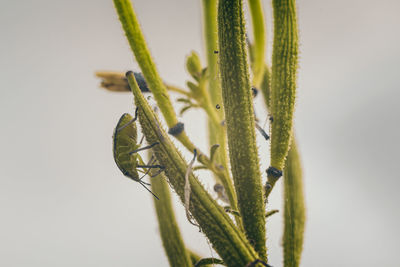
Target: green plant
x: 237, y: 230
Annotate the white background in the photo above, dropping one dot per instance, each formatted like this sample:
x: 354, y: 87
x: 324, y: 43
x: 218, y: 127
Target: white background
x: 63, y: 202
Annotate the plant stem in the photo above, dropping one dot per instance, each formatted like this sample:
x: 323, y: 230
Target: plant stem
x: 226, y: 239
x: 258, y: 23
x: 294, y: 207
x: 216, y: 132
x: 283, y: 83
x: 171, y: 237
x: 178, y: 90
x: 138, y: 45
x: 294, y: 210
x: 137, y: 42
x: 240, y: 123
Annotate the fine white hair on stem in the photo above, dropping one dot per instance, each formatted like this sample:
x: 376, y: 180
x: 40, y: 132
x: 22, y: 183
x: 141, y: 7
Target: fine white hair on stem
x: 187, y: 188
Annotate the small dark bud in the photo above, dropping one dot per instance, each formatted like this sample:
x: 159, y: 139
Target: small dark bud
x: 254, y: 91
x: 177, y: 129
x: 141, y: 82
x: 218, y: 188
x: 129, y: 72
x: 271, y: 119
x: 272, y: 171
x: 268, y: 186
x: 216, y: 51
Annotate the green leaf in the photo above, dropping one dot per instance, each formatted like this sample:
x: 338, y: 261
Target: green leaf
x: 213, y: 150
x: 193, y: 65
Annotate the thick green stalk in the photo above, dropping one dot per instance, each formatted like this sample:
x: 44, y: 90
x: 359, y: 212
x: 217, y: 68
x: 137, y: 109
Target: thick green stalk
x: 258, y: 23
x: 283, y: 83
x: 138, y: 45
x: 294, y: 210
x: 225, y: 237
x: 294, y: 207
x: 266, y: 86
x: 171, y: 237
x: 240, y: 123
x: 216, y: 132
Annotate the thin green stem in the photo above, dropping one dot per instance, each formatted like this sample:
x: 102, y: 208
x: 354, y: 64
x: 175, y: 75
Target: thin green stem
x: 294, y: 209
x: 178, y: 90
x: 171, y: 237
x: 240, y: 121
x: 226, y: 239
x: 283, y: 83
x: 293, y: 195
x: 216, y: 132
x: 138, y: 45
x: 258, y: 47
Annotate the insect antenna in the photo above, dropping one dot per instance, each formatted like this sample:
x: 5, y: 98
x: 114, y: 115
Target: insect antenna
x: 143, y: 184
x: 130, y: 122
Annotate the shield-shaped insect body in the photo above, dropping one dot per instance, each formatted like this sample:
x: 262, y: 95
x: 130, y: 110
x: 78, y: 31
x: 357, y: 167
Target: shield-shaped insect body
x: 125, y: 141
x: 126, y: 148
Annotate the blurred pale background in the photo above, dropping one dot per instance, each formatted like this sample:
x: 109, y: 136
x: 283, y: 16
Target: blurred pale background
x: 63, y: 202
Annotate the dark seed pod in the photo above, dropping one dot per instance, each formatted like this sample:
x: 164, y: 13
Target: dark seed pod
x: 177, y: 129
x: 268, y: 186
x: 272, y: 171
x: 141, y: 82
x: 254, y: 90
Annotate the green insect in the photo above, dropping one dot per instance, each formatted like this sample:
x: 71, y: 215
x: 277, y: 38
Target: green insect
x: 125, y: 149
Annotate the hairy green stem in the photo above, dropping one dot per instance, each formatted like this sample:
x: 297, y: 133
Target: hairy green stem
x: 225, y: 237
x: 170, y: 235
x: 138, y: 45
x: 258, y: 47
x: 266, y: 86
x: 294, y: 210
x: 283, y: 83
x: 294, y: 207
x: 216, y: 132
x: 240, y: 123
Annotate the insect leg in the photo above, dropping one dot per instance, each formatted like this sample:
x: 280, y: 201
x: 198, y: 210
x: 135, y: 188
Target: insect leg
x: 156, y: 174
x: 150, y: 166
x: 143, y: 148
x: 148, y: 169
